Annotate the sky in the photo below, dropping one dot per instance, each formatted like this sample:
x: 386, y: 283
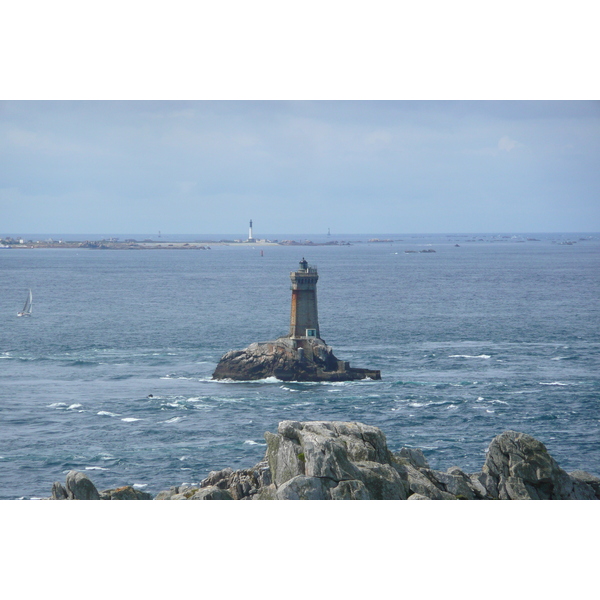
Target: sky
x: 299, y: 166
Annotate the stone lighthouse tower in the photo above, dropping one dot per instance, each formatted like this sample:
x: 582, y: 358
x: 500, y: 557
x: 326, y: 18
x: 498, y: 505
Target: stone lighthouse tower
x: 304, y: 318
x: 299, y: 356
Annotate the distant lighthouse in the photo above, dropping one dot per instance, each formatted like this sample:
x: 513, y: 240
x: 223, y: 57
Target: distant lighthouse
x: 304, y: 318
x: 250, y: 236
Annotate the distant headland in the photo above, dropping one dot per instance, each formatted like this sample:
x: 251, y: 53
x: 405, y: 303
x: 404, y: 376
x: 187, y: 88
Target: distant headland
x: 152, y: 244
x: 414, y: 242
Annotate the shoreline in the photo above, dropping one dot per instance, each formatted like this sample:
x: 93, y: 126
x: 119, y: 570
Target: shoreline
x: 337, y: 460
x: 153, y: 245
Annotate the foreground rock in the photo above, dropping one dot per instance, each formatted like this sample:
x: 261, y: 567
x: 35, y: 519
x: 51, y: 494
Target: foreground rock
x: 322, y: 460
x: 79, y: 487
x: 523, y: 470
x: 288, y: 359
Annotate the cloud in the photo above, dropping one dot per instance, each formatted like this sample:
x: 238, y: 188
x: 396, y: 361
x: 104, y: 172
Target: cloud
x: 380, y: 136
x: 185, y: 187
x: 505, y: 143
x: 358, y: 166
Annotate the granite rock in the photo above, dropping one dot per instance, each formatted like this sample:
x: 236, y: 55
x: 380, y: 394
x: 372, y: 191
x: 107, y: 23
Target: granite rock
x: 58, y: 492
x: 522, y: 469
x: 288, y: 359
x: 334, y: 460
x: 335, y: 453
x: 126, y: 492
x: 79, y: 487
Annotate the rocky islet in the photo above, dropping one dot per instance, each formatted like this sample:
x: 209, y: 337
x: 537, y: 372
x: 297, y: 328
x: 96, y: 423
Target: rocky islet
x: 302, y: 355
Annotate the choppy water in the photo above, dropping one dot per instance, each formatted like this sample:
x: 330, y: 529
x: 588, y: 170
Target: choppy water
x: 471, y: 341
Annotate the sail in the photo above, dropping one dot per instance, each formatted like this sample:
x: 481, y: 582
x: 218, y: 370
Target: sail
x: 28, y: 304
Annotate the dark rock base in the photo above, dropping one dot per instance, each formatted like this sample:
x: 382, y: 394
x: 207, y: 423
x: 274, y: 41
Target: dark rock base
x: 287, y: 359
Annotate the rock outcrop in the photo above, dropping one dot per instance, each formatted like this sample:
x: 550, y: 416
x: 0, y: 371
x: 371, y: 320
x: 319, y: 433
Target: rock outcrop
x: 288, y: 359
x: 223, y: 485
x: 78, y: 486
x: 323, y: 460
x: 522, y: 469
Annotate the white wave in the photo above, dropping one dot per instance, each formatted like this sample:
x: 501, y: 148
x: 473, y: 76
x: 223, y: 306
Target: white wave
x: 480, y: 399
x: 265, y: 380
x: 287, y: 389
x: 469, y: 356
x: 554, y: 383
x: 95, y: 469
x: 253, y: 443
x: 130, y: 419
x: 417, y: 404
x: 452, y: 407
x: 173, y: 376
x: 139, y: 485
x: 74, y: 406
x: 269, y: 380
x: 57, y: 404
x: 106, y: 413
x: 489, y: 411
x: 173, y: 420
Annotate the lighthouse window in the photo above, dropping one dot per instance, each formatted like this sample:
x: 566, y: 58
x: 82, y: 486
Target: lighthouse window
x: 311, y: 333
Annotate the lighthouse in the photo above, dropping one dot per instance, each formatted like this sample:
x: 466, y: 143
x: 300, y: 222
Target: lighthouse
x: 304, y: 318
x: 299, y: 356
x: 250, y: 237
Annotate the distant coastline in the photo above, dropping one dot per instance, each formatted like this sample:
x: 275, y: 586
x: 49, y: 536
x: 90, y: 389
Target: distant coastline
x: 180, y: 242
x: 148, y: 244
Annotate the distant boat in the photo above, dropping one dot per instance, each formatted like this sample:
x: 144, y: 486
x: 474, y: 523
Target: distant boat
x: 26, y: 312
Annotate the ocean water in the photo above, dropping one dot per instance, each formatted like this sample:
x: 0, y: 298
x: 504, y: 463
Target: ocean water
x: 111, y: 374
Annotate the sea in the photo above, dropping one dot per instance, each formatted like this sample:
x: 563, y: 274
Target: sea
x: 111, y: 375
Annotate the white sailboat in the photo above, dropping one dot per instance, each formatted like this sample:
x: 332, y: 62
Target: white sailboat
x: 26, y: 312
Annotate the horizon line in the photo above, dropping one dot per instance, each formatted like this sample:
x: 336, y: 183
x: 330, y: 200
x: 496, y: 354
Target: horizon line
x: 160, y: 234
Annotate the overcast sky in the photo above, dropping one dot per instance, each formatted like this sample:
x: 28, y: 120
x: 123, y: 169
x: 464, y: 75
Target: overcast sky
x: 202, y: 167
